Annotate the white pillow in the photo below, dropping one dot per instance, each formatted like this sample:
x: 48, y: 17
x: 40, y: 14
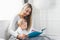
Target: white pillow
x: 3, y: 29
x: 2, y: 39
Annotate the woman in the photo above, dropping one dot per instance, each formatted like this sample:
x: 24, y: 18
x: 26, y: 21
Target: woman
x: 26, y: 13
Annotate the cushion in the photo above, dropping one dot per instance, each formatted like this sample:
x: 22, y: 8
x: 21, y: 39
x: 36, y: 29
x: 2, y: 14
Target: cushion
x: 2, y: 39
x: 3, y: 28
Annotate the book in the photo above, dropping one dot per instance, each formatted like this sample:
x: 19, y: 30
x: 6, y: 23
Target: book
x: 34, y: 34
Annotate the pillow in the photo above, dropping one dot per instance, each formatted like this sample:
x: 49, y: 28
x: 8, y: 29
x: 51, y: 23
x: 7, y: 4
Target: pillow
x: 2, y: 39
x: 34, y: 34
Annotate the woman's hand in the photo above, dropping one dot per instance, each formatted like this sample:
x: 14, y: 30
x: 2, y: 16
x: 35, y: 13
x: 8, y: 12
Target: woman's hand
x: 18, y: 36
x: 22, y: 36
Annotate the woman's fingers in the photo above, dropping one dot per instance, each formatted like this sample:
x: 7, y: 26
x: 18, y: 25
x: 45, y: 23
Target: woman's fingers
x: 24, y: 36
x: 21, y: 36
x: 18, y: 36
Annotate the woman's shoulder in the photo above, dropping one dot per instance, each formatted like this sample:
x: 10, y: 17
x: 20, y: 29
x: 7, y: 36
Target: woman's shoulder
x: 17, y: 17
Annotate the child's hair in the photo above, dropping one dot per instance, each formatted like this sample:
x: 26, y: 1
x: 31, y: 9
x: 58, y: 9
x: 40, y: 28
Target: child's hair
x: 20, y: 22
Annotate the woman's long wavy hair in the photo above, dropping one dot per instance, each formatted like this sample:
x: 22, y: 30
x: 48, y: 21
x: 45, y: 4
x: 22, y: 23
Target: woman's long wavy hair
x: 29, y: 17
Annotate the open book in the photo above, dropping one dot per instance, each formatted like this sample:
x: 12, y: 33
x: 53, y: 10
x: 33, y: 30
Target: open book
x: 35, y: 33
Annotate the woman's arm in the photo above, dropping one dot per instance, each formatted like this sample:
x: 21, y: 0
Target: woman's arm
x: 12, y: 27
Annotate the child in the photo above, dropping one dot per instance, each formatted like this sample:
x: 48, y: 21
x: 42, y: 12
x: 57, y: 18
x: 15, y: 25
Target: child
x: 22, y: 26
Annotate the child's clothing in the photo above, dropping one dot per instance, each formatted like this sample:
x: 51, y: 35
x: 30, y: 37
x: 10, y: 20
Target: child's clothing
x: 20, y: 31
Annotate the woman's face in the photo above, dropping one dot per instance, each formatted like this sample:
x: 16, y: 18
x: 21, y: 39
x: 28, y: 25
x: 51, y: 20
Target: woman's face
x: 26, y: 11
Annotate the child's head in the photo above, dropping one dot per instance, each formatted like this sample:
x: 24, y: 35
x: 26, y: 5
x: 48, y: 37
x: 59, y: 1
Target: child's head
x: 22, y: 23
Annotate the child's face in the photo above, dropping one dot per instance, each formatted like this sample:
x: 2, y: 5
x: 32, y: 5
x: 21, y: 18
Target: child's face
x: 23, y: 24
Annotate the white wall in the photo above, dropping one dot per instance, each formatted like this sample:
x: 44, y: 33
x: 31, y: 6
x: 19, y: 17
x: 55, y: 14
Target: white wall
x: 54, y: 19
x: 47, y: 14
x: 9, y: 8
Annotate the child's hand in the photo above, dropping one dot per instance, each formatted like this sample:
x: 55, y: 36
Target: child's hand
x: 23, y: 36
